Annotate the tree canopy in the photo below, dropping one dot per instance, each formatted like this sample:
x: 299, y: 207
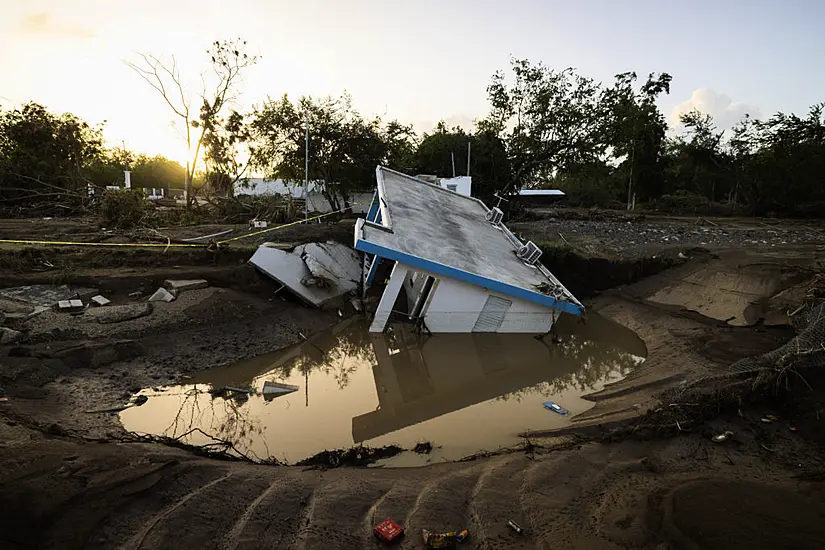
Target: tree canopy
x: 43, y: 154
x: 344, y: 147
x: 605, y: 144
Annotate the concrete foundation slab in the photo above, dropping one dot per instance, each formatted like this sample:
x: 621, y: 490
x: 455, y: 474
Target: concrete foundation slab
x: 117, y: 314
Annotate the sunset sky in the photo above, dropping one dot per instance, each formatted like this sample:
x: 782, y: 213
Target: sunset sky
x: 416, y: 61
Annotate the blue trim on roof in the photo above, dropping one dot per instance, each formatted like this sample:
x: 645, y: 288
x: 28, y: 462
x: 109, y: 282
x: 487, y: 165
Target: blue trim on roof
x: 374, y: 207
x: 447, y: 271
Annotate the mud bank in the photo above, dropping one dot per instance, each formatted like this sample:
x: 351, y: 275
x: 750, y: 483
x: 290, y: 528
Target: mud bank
x: 62, y: 490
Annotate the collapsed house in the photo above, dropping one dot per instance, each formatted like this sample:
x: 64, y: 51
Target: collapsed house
x: 458, y: 266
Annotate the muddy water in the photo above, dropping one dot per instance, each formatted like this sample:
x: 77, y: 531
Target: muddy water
x: 463, y: 392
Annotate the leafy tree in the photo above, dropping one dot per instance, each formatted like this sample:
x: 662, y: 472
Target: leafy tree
x: 229, y: 59
x: 636, y: 131
x: 489, y: 165
x: 550, y: 121
x: 784, y: 163
x: 157, y: 171
x: 43, y: 154
x: 698, y: 162
x: 344, y: 148
x: 222, y: 142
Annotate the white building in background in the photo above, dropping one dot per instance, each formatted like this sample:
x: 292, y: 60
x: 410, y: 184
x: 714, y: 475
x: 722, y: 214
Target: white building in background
x: 463, y: 185
x: 316, y: 202
x: 461, y: 269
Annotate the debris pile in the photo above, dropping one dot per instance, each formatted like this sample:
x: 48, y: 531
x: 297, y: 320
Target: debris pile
x: 318, y: 273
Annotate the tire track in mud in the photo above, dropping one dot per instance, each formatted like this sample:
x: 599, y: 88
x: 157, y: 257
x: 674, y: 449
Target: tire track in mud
x: 138, y: 540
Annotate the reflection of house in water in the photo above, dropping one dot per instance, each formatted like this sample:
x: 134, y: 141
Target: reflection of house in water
x: 420, y: 378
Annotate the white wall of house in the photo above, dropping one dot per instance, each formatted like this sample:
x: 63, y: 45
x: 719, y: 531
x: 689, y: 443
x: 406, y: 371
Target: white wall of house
x: 459, y: 184
x: 455, y: 306
x: 316, y: 201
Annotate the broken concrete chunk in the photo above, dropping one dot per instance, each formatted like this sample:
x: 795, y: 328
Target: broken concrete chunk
x: 69, y: 305
x: 182, y: 285
x: 9, y: 336
x: 161, y: 295
x: 100, y: 300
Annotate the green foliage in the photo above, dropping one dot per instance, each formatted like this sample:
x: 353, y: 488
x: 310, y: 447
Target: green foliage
x: 550, y: 121
x: 45, y: 155
x: 122, y: 209
x: 489, y: 165
x: 344, y: 148
x: 687, y: 202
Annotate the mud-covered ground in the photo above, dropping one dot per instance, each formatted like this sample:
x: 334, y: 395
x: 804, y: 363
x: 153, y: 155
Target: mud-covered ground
x: 628, y: 235
x: 626, y: 476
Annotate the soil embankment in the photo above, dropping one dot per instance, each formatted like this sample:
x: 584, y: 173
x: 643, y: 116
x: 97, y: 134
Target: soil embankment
x: 68, y: 480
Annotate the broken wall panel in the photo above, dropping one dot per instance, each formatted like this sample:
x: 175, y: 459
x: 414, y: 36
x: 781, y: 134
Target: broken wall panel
x: 318, y: 273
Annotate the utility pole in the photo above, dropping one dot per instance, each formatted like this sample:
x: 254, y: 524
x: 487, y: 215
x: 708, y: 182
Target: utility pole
x: 306, y: 170
x: 469, y: 143
x: 452, y: 158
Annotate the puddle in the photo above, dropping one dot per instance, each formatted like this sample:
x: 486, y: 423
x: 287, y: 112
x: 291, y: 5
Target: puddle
x: 465, y: 393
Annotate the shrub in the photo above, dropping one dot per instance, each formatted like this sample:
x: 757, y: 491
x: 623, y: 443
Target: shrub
x: 122, y: 209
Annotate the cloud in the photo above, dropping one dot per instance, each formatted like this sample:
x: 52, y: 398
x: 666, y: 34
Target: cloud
x: 44, y: 23
x: 725, y: 112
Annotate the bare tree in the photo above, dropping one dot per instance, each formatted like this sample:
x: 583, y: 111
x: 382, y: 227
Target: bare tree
x: 228, y: 59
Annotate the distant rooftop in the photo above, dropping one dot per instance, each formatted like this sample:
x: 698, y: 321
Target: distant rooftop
x: 541, y: 193
x: 433, y: 229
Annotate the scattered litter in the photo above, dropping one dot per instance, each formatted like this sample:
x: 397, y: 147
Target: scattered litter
x: 388, y: 531
x: 793, y: 428
x: 443, y: 540
x: 356, y: 303
x: 135, y: 295
x: 177, y: 286
x: 4, y: 399
x: 271, y: 390
x: 721, y: 438
x: 551, y: 406
x: 100, y: 300
x: 515, y: 527
x: 66, y: 305
x: 258, y: 224
x: 340, y: 313
x: 681, y: 256
x: 9, y: 336
x: 161, y: 295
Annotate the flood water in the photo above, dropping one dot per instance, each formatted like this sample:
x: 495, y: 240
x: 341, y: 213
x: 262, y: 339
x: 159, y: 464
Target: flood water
x: 464, y: 393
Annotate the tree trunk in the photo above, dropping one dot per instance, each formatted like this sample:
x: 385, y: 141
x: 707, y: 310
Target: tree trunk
x: 187, y: 187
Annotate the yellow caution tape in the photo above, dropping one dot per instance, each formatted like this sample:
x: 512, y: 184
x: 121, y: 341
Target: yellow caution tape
x: 75, y: 243
x: 282, y: 226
